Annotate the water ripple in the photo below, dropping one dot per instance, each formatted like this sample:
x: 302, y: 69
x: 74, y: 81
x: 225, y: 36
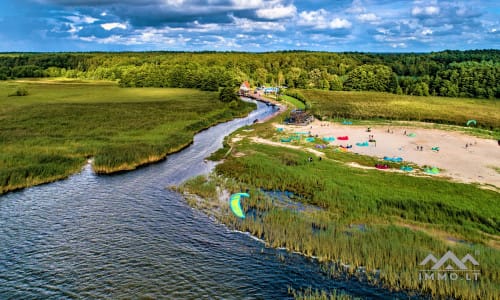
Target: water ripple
x: 127, y: 237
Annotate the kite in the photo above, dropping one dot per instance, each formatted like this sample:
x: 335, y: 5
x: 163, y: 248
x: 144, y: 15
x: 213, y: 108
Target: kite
x: 235, y: 204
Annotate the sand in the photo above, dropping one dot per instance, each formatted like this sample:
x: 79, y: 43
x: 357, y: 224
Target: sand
x: 470, y: 164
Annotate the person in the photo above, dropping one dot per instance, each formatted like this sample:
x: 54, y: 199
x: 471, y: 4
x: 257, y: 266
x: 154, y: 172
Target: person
x: 320, y: 158
x: 405, y: 132
x: 466, y: 146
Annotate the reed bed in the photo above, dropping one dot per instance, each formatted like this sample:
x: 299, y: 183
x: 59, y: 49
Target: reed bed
x: 357, y: 229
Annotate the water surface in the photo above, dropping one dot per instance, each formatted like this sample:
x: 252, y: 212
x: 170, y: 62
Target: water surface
x: 126, y: 236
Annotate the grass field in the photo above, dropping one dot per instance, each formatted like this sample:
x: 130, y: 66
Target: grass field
x: 384, y: 223
x: 50, y: 133
x: 374, y: 105
x: 293, y: 101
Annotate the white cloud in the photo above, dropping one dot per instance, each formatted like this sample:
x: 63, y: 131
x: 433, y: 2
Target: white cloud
x: 357, y: 7
x: 111, y: 26
x: 339, y: 24
x: 398, y: 45
x: 249, y: 25
x: 320, y: 19
x: 247, y: 4
x: 369, y: 17
x: 277, y: 12
x: 425, y: 11
x: 82, y: 19
x: 175, y: 2
x: 312, y: 18
x: 427, y: 31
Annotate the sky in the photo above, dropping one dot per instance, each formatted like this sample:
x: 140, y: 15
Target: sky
x: 248, y: 25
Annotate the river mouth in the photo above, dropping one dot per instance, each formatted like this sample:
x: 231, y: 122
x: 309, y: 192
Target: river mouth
x: 126, y: 236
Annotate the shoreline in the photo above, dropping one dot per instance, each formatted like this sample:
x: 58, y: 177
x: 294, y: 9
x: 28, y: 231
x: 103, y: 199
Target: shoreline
x: 103, y: 171
x: 341, y: 263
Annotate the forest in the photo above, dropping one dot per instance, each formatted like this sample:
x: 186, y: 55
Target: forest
x: 472, y: 74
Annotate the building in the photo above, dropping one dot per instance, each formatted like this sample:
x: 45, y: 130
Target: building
x: 244, y: 88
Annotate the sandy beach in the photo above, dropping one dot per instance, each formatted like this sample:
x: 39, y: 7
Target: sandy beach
x: 475, y: 162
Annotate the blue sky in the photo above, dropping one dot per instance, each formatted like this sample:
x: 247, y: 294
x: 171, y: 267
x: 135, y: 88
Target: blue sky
x: 248, y: 25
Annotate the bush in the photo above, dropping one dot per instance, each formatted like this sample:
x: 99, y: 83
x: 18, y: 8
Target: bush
x: 228, y: 94
x: 20, y: 92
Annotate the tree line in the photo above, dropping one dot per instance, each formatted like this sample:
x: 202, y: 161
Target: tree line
x: 474, y: 74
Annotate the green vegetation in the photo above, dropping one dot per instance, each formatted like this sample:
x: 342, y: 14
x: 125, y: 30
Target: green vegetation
x: 309, y: 294
x: 298, y: 104
x: 372, y: 105
x: 21, y: 91
x: 374, y: 225
x: 228, y: 94
x: 472, y: 74
x: 50, y: 133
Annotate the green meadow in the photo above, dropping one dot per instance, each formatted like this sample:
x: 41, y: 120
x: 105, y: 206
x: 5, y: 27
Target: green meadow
x: 377, y: 226
x: 376, y: 105
x: 51, y: 132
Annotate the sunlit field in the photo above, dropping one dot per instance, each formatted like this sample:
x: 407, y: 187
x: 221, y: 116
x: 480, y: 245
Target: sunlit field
x: 50, y: 133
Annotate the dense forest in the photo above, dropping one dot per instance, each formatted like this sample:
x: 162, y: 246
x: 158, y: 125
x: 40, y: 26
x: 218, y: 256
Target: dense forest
x: 474, y: 74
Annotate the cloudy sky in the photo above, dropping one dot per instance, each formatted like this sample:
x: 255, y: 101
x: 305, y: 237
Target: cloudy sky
x: 248, y: 25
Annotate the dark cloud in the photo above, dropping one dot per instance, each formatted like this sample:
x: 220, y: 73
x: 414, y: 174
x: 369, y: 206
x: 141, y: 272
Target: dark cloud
x: 255, y: 25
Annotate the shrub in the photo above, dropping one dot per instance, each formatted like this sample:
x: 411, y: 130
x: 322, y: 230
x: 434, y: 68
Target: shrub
x: 21, y: 91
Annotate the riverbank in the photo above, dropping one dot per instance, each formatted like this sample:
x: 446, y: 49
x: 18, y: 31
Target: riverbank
x: 50, y: 133
x: 380, y: 224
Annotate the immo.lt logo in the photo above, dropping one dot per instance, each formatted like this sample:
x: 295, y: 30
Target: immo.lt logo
x: 449, y: 267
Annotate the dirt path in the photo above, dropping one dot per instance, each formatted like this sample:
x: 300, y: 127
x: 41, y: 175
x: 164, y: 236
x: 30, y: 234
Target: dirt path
x: 473, y: 163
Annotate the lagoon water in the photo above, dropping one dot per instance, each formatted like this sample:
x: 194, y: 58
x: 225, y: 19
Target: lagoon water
x: 126, y: 236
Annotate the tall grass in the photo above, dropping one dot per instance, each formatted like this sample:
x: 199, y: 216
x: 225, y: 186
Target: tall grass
x: 357, y: 231
x: 49, y: 134
x: 374, y: 105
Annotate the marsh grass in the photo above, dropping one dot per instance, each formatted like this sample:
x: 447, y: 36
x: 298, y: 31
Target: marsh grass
x: 49, y: 134
x: 360, y: 218
x: 295, y: 102
x: 310, y: 294
x: 385, y: 106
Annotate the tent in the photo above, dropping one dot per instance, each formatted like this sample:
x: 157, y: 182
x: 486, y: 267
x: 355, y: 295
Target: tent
x: 470, y: 122
x: 406, y: 168
x: 432, y: 170
x: 393, y: 159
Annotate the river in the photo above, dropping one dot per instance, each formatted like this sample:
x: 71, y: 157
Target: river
x: 126, y: 236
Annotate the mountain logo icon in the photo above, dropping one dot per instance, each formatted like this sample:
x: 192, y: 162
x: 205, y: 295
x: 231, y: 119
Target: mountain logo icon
x: 449, y: 261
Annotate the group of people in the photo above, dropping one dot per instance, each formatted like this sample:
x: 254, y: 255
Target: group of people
x: 420, y: 148
x: 310, y: 159
x: 470, y: 145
